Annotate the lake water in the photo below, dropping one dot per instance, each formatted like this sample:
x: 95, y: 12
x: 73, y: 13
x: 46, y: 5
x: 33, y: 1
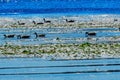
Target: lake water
x: 59, y: 6
x: 36, y: 68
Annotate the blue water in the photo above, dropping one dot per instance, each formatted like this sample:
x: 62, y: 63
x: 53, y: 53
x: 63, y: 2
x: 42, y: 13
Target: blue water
x: 39, y: 69
x: 60, y: 6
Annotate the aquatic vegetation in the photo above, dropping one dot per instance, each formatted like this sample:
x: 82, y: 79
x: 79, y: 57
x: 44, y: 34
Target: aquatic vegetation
x: 72, y: 51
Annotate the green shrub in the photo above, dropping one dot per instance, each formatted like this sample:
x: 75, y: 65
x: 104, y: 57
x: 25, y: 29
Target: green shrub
x: 26, y: 52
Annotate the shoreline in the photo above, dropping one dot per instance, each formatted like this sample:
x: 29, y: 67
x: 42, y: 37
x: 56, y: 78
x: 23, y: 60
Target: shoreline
x: 80, y: 21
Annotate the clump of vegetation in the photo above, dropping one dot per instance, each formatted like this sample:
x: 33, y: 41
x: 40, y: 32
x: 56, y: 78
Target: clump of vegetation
x: 85, y: 45
x: 27, y: 52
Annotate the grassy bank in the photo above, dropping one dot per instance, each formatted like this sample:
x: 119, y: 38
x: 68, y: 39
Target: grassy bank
x: 64, y: 51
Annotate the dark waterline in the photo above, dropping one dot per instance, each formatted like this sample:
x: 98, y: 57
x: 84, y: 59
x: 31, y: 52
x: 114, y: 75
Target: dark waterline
x: 62, y: 10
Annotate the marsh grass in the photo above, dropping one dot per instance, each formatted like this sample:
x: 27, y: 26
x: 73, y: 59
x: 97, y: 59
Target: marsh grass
x: 75, y: 50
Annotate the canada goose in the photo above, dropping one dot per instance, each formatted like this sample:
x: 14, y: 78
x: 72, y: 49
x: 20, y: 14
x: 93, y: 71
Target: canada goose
x: 115, y: 19
x: 21, y: 23
x: 90, y: 34
x: 70, y: 21
x: 46, y: 21
x: 38, y: 23
x: 119, y: 29
x: 9, y: 35
x: 39, y: 35
x: 23, y: 36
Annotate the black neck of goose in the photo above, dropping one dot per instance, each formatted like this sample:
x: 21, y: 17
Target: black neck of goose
x: 44, y: 20
x: 66, y: 20
x: 36, y: 34
x: 34, y: 22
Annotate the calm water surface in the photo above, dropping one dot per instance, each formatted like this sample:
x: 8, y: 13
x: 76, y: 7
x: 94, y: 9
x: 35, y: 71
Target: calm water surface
x: 36, y: 68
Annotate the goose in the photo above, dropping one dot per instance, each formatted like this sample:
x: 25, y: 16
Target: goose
x: 119, y: 28
x: 21, y: 23
x: 38, y: 23
x: 9, y: 35
x: 115, y: 20
x: 23, y: 36
x: 90, y: 34
x: 70, y: 21
x: 39, y: 35
x: 46, y: 21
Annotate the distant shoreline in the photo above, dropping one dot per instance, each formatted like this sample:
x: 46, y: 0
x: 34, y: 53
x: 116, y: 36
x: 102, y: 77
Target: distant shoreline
x: 62, y: 10
x: 59, y: 20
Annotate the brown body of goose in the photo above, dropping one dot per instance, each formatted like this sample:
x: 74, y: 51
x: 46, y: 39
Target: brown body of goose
x: 90, y: 34
x: 70, y: 21
x: 21, y: 23
x: 23, y: 36
x: 37, y: 23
